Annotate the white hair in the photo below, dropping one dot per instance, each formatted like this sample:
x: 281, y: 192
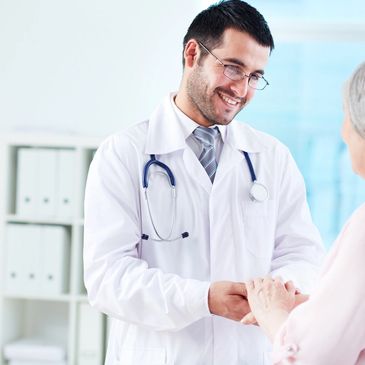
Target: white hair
x: 356, y: 99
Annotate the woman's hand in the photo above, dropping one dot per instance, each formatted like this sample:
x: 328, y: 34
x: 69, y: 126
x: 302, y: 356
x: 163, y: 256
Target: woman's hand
x: 270, y: 301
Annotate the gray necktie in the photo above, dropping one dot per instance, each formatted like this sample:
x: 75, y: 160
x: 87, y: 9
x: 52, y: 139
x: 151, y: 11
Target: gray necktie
x: 207, y: 158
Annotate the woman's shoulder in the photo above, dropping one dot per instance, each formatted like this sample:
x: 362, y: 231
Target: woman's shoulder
x: 357, y: 218
x: 353, y: 233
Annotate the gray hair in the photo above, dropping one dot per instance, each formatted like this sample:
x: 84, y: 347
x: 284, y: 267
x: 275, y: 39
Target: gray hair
x: 356, y: 99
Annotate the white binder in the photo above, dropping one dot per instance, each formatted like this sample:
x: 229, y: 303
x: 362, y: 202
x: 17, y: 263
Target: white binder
x: 31, y: 250
x: 55, y: 260
x: 36, y: 362
x: 15, y: 260
x: 91, y: 336
x: 27, y: 181
x: 37, y: 259
x: 47, y: 182
x: 66, y: 183
x: 34, y: 350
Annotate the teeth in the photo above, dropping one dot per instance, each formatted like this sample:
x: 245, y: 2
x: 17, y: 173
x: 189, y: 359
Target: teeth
x: 228, y: 100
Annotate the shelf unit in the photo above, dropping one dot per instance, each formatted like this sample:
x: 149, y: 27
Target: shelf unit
x: 58, y: 315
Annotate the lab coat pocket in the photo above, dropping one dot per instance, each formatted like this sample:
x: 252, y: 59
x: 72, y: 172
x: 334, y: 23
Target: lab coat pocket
x: 259, y: 222
x: 142, y: 356
x: 254, y: 208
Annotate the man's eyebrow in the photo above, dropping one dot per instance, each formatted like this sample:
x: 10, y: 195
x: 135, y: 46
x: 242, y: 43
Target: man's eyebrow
x: 241, y: 64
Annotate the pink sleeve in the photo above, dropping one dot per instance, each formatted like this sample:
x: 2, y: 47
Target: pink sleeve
x: 330, y: 327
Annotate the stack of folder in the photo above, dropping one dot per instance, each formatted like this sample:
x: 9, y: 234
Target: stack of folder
x: 37, y: 259
x: 35, y: 351
x: 45, y: 182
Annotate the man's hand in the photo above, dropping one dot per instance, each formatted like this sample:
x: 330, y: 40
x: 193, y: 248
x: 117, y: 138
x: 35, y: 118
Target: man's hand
x: 228, y: 299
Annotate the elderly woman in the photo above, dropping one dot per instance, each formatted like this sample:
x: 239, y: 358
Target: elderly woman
x: 329, y: 327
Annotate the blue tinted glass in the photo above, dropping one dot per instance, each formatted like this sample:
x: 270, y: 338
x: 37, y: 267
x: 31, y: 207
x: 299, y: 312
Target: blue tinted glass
x: 302, y: 106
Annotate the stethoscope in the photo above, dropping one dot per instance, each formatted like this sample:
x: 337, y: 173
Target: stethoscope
x: 258, y: 193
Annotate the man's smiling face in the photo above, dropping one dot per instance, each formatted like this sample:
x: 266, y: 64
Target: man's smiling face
x: 213, y: 97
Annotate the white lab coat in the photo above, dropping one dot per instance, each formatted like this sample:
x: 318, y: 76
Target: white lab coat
x: 156, y: 292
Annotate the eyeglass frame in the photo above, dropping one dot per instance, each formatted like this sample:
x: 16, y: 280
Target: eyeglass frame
x: 243, y: 75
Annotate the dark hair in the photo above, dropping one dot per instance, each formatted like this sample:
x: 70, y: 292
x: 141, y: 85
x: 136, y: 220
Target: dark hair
x: 209, y: 25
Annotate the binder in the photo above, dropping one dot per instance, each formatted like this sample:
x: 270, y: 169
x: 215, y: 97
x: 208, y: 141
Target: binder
x: 55, y: 260
x: 37, y: 259
x: 91, y: 336
x: 46, y: 182
x: 31, y: 251
x: 66, y: 174
x: 15, y: 260
x: 35, y: 350
x: 36, y: 362
x: 27, y: 181
x: 46, y: 204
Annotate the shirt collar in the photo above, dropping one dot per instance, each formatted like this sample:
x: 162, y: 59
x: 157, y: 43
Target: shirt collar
x: 189, y: 125
x: 169, y: 128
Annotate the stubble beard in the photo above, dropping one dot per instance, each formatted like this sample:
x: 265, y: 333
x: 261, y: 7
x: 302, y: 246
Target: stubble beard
x: 201, y: 99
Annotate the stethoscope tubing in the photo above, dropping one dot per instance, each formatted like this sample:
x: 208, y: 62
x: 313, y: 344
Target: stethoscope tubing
x: 171, y: 178
x: 154, y: 161
x: 260, y: 196
x: 250, y: 166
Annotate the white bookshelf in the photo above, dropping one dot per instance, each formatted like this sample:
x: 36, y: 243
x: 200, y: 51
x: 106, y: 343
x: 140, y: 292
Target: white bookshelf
x: 23, y: 315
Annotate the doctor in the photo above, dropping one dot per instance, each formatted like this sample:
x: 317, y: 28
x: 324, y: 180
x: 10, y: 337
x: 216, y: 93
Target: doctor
x: 177, y: 217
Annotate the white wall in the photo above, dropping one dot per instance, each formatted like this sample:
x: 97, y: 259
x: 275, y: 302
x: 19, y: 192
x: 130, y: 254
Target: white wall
x: 88, y: 66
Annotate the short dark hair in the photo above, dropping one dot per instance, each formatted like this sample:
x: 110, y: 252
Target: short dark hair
x: 209, y: 25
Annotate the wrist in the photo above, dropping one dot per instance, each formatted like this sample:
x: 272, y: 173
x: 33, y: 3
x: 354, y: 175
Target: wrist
x: 212, y: 303
x: 274, y: 320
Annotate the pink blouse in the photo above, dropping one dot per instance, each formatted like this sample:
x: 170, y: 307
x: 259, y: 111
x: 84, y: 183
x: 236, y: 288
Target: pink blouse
x: 329, y: 329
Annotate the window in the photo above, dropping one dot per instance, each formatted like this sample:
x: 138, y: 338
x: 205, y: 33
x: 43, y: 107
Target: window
x: 318, y: 45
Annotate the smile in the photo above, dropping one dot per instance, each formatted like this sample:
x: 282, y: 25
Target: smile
x: 228, y: 100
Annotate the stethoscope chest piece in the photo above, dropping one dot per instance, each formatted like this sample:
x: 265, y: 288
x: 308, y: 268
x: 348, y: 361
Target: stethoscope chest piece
x: 259, y: 192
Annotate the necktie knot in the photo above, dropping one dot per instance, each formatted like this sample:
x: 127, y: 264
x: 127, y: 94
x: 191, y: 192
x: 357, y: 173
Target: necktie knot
x: 205, y: 135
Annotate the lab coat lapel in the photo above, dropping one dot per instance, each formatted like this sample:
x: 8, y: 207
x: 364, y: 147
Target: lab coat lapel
x: 196, y: 170
x: 229, y: 159
x: 240, y: 137
x: 165, y: 134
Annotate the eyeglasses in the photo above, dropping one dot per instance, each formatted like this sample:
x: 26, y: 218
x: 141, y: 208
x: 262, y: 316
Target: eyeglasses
x: 234, y: 73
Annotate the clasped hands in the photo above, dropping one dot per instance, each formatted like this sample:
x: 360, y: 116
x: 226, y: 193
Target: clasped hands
x: 250, y: 302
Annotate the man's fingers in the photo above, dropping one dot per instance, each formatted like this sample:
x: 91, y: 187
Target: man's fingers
x: 244, y: 290
x: 239, y: 288
x: 250, y: 286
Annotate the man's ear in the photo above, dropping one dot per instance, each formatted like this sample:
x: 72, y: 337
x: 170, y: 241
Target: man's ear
x: 191, y: 53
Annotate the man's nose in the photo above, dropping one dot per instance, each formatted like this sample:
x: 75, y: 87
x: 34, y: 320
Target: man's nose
x: 241, y: 87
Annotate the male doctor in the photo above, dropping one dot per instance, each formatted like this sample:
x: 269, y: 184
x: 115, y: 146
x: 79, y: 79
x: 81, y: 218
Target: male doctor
x: 177, y: 219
